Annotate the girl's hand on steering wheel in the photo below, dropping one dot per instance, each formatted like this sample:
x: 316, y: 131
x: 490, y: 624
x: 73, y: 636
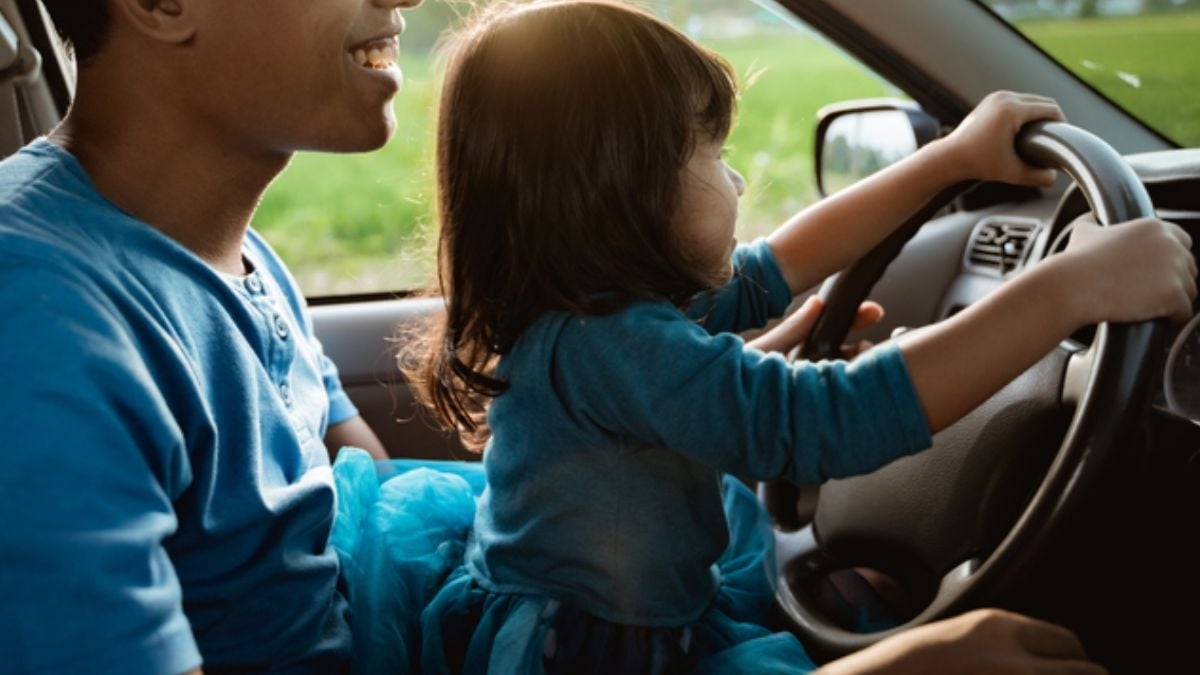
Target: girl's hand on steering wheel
x: 789, y: 335
x: 983, y: 144
x: 1138, y: 270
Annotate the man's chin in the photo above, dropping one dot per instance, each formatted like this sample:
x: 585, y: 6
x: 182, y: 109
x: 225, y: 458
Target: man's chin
x: 364, y: 139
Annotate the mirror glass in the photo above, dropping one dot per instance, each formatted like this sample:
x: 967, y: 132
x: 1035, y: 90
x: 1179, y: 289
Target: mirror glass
x: 858, y: 144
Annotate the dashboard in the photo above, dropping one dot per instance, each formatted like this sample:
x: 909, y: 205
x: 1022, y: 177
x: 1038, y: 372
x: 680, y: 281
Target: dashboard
x: 1003, y: 243
x: 1173, y: 181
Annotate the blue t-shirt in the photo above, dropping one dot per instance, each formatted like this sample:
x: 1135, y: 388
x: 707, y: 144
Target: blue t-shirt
x: 165, y: 492
x: 607, y: 449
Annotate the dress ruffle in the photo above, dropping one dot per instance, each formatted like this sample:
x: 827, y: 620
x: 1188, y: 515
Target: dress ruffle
x: 401, y: 530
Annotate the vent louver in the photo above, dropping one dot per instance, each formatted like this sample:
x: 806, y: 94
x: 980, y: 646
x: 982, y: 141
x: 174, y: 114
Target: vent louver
x: 999, y: 247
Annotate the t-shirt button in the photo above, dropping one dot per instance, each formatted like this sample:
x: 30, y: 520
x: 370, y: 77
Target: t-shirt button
x: 253, y: 283
x: 281, y: 328
x: 286, y: 392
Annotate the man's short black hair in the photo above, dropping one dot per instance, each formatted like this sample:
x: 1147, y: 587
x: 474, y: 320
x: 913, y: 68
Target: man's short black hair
x: 82, y: 23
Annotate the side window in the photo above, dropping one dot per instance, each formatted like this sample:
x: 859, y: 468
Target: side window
x: 356, y: 224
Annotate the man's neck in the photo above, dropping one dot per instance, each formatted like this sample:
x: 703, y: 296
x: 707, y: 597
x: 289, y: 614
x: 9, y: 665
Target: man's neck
x: 179, y: 177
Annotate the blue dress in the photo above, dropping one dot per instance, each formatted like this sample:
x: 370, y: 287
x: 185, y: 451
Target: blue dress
x: 401, y: 530
x: 606, y: 537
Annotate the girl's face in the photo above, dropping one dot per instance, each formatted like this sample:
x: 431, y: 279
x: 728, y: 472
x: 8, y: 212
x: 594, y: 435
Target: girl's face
x: 707, y: 213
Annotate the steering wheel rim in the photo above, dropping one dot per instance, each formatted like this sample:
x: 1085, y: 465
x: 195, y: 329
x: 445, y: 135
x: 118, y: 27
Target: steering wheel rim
x: 1102, y: 382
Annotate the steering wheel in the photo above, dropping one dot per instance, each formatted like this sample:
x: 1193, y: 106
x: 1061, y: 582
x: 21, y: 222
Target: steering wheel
x: 959, y: 523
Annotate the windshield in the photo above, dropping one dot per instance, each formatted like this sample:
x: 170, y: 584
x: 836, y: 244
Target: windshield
x: 1142, y: 54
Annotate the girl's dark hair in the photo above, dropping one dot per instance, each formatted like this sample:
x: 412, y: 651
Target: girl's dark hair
x: 562, y: 134
x: 82, y: 23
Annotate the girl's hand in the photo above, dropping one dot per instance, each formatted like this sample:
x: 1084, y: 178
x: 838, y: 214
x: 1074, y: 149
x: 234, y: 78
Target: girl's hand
x: 983, y: 145
x: 1136, y: 271
x: 789, y: 335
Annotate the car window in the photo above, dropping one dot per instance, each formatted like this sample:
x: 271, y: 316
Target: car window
x: 1141, y: 54
x: 359, y: 224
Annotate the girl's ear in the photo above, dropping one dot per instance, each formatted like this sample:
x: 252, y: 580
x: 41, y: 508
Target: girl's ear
x: 169, y: 21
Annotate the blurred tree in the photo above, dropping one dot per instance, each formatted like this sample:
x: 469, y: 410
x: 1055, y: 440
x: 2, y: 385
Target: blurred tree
x: 427, y: 23
x: 1148, y: 6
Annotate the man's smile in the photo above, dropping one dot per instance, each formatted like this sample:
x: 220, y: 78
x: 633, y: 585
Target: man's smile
x: 377, y: 54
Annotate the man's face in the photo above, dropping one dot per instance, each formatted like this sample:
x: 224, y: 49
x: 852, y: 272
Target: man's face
x: 287, y: 75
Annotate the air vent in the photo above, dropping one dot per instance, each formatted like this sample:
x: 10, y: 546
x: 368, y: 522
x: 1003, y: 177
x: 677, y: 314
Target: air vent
x: 999, y: 246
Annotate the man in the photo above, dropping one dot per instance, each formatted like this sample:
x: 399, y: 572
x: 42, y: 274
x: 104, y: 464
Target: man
x: 164, y: 488
x: 166, y: 494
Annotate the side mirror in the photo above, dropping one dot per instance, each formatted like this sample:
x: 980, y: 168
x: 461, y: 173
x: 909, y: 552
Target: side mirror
x: 857, y: 138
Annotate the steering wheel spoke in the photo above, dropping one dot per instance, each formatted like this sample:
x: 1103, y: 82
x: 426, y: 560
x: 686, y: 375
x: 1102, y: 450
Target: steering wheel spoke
x: 1080, y: 365
x: 797, y: 548
x: 954, y: 584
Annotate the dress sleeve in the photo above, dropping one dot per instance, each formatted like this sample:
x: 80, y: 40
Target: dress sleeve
x: 91, y: 464
x: 756, y: 294
x: 649, y: 376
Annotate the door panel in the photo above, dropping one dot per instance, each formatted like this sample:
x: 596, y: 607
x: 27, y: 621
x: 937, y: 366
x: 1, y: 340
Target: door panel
x: 361, y: 339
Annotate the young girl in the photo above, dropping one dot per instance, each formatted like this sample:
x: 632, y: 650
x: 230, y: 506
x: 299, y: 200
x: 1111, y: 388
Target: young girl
x: 592, y: 288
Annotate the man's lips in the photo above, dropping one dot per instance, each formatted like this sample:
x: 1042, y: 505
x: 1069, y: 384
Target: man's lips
x: 377, y: 53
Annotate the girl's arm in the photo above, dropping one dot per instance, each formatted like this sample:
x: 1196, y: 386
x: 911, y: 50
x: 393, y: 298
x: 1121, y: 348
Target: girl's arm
x: 1134, y: 272
x: 835, y: 232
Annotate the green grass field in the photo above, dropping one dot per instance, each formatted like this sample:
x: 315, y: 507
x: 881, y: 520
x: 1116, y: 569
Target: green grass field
x: 363, y: 223
x: 1150, y: 65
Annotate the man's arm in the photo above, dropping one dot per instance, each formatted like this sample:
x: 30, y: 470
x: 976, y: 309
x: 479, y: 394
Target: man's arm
x: 354, y: 432
x: 986, y: 640
x: 91, y: 465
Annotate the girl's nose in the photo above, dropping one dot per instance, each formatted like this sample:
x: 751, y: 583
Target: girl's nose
x: 739, y: 183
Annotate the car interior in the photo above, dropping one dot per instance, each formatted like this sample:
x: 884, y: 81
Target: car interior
x: 1072, y: 494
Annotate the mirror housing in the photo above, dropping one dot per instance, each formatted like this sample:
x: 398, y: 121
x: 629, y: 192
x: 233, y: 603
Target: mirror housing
x: 857, y: 138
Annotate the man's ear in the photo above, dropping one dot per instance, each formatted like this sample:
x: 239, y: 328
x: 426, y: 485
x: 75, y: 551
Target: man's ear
x: 170, y: 21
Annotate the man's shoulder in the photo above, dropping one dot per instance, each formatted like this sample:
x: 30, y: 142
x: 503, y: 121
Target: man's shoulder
x: 42, y: 202
x: 57, y: 234
x: 38, y: 170
x: 53, y: 304
x: 41, y: 270
x: 26, y: 165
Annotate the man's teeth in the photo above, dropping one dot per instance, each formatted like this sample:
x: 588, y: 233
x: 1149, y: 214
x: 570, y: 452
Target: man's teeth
x: 376, y: 58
